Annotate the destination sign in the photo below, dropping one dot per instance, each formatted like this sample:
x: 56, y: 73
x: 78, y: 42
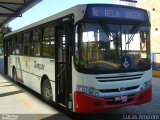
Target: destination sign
x: 117, y: 13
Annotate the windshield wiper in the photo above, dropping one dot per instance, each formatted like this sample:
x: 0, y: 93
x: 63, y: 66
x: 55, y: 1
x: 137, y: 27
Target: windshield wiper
x: 132, y: 32
x: 107, y: 30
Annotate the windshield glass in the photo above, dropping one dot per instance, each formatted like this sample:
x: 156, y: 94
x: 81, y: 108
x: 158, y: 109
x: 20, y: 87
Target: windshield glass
x: 112, y: 46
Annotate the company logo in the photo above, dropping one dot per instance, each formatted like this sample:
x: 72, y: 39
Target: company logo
x: 39, y: 66
x: 122, y: 89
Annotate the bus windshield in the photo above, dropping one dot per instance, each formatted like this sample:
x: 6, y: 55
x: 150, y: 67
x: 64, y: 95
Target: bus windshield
x: 105, y: 47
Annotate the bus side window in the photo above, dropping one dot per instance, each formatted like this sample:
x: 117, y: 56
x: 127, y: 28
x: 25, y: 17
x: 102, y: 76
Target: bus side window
x: 18, y: 48
x: 26, y: 49
x: 13, y: 47
x: 9, y: 46
x: 48, y: 42
x: 26, y: 40
x: 35, y: 46
x: 37, y: 49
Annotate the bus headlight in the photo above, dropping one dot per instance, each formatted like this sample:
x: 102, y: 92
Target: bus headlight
x: 145, y: 85
x: 88, y: 90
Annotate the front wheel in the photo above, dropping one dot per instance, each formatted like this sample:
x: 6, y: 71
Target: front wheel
x: 46, y: 91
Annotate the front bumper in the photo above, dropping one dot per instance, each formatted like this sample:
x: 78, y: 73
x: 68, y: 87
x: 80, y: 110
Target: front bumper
x: 84, y: 103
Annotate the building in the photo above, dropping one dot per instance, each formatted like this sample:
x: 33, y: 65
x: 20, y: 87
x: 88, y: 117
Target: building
x: 126, y: 2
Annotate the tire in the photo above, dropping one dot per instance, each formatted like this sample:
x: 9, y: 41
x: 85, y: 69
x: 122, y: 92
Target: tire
x: 14, y: 75
x: 46, y: 91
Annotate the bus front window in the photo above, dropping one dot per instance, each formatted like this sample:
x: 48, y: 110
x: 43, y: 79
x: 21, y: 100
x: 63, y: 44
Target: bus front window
x: 112, y: 46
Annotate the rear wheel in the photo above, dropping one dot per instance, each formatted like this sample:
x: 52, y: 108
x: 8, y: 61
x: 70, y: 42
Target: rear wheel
x: 14, y: 75
x: 46, y: 91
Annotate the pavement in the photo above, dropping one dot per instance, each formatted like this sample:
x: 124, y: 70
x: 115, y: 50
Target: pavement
x: 16, y: 99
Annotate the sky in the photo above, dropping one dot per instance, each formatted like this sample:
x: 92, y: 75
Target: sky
x: 47, y: 8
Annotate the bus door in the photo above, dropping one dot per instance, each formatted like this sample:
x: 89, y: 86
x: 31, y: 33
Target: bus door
x: 63, y: 65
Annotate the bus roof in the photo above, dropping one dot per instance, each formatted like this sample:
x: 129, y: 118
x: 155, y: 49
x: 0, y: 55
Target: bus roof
x: 77, y: 11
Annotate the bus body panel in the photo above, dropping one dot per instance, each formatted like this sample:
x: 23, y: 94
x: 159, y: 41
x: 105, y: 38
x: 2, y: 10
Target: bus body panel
x: 85, y: 103
x: 114, y: 83
x: 88, y: 103
x: 30, y: 71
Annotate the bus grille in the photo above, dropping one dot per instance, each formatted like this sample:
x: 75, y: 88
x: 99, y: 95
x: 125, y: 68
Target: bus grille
x: 117, y: 90
x: 119, y: 78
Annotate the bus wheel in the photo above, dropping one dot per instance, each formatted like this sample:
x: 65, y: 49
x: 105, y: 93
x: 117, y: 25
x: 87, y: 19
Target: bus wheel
x: 46, y: 91
x: 14, y: 75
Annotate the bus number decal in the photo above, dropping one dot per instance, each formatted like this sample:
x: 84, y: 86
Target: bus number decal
x: 112, y: 13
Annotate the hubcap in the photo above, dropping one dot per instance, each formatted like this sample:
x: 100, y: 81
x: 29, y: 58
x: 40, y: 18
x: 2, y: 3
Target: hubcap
x: 47, y: 93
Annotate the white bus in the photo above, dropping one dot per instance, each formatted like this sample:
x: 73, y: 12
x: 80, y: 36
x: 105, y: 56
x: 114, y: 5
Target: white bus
x: 88, y: 58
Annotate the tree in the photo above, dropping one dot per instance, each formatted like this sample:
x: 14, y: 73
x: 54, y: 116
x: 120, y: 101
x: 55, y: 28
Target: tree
x: 3, y: 31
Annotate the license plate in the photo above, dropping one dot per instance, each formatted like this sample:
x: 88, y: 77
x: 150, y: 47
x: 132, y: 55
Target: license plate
x: 121, y: 98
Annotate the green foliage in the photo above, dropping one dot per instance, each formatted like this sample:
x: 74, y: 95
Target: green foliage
x: 3, y: 31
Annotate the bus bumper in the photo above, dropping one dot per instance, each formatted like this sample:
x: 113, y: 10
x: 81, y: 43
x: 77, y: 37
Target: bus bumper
x: 85, y: 103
